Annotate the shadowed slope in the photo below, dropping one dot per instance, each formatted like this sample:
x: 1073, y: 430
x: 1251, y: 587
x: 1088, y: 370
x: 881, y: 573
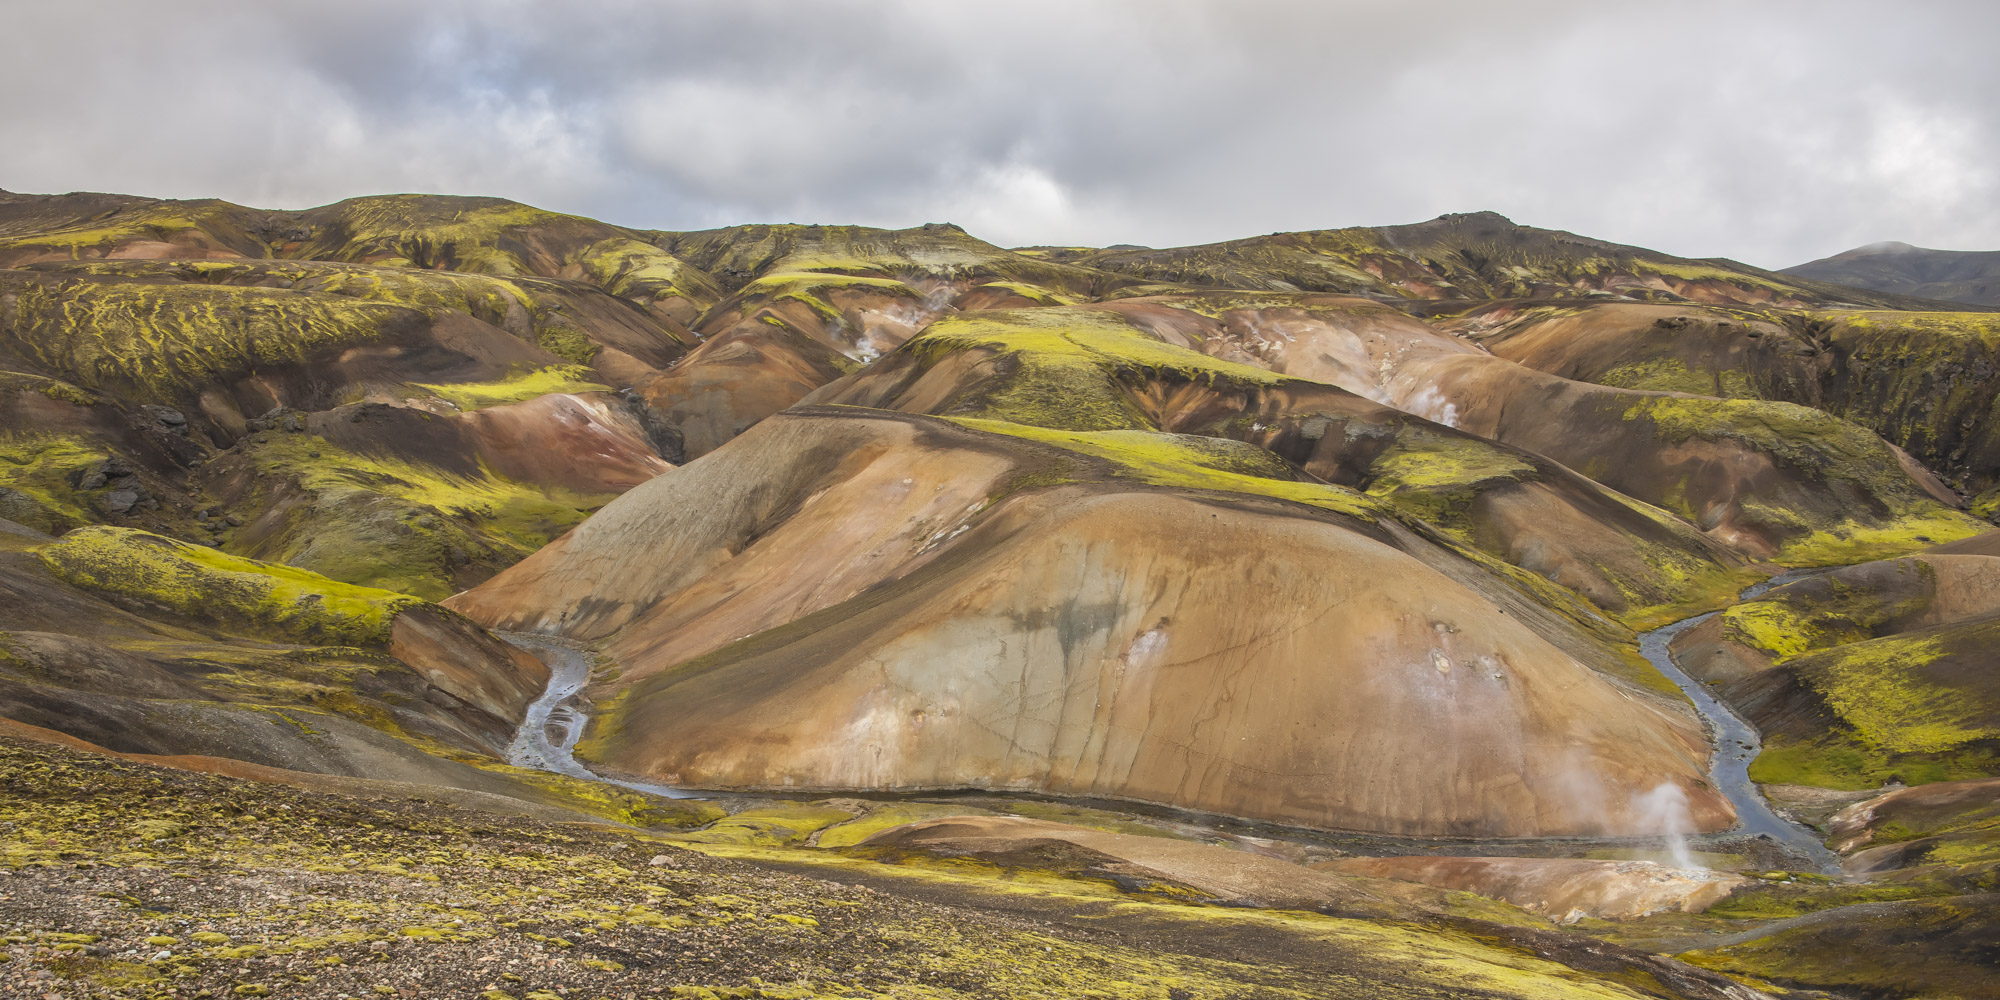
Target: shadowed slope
x: 1923, y: 380
x: 1771, y: 479
x: 1971, y: 277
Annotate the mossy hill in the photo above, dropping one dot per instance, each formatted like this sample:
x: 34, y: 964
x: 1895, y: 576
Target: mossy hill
x: 1478, y: 255
x: 241, y: 450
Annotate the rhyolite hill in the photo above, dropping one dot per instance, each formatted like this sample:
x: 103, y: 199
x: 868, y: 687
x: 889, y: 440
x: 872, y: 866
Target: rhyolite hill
x: 1339, y: 537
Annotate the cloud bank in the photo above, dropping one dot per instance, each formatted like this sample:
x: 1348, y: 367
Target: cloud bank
x: 1771, y: 132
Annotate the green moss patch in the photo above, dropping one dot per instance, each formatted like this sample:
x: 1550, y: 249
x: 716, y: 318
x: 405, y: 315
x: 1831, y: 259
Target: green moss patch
x: 38, y: 473
x: 384, y: 522
x: 770, y: 826
x: 164, y: 341
x: 1827, y: 611
x: 201, y: 582
x: 1668, y: 374
x: 641, y: 271
x: 1916, y: 707
x: 424, y: 231
x: 889, y: 816
x: 517, y: 388
x: 1062, y: 365
x: 1849, y: 460
x: 1191, y: 462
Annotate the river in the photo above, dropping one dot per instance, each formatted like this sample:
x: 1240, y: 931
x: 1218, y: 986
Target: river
x: 547, y: 737
x: 1737, y: 742
x: 546, y: 740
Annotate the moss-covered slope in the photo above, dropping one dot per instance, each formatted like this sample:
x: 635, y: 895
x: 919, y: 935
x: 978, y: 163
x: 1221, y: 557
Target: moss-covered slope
x: 154, y: 572
x: 737, y: 255
x: 1924, y: 380
x: 1478, y: 255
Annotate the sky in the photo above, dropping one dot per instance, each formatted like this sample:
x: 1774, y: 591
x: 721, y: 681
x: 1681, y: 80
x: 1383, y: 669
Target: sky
x: 1769, y: 131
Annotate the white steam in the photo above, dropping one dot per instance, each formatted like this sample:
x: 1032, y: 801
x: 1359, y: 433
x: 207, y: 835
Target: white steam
x: 1664, y: 811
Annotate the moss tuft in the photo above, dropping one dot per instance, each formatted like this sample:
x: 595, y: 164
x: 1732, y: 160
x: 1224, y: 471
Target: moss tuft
x: 199, y: 582
x: 1191, y: 462
x: 516, y: 388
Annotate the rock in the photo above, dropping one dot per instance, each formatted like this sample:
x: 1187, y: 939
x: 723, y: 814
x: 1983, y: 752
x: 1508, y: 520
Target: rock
x: 93, y: 481
x: 121, y: 501
x: 233, y: 521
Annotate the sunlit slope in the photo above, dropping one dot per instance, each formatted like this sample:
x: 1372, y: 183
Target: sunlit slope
x: 934, y: 591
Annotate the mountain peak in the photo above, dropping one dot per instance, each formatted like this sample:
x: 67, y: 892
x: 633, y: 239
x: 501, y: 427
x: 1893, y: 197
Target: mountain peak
x: 1884, y: 247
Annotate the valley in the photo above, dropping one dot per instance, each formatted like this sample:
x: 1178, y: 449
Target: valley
x: 437, y: 596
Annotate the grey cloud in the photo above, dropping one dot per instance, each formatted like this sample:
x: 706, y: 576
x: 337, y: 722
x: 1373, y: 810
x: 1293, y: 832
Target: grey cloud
x: 1772, y: 132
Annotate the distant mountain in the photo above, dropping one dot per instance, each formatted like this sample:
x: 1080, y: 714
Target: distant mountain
x: 1474, y: 255
x: 1970, y: 276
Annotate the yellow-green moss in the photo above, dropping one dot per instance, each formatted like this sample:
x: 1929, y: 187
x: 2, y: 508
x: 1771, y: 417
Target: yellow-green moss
x: 55, y: 389
x: 1844, y: 455
x: 1916, y: 527
x: 788, y: 823
x: 1668, y: 374
x: 1436, y: 477
x: 202, y: 582
x: 173, y: 328
x: 1916, y: 707
x: 36, y: 476
x: 146, y: 222
x: 1065, y: 362
x: 1986, y: 505
x: 1191, y: 462
x: 1878, y: 688
x: 1776, y: 629
x: 165, y: 341
x: 612, y: 802
x: 516, y: 388
x: 1034, y: 293
x: 632, y: 269
x: 416, y: 231
x: 890, y: 815
x: 383, y: 522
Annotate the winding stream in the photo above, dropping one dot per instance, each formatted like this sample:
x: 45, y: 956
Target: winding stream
x: 1737, y: 742
x: 546, y: 740
x: 552, y: 725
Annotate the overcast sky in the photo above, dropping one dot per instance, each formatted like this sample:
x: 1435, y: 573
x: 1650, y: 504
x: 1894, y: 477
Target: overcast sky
x: 1771, y: 132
